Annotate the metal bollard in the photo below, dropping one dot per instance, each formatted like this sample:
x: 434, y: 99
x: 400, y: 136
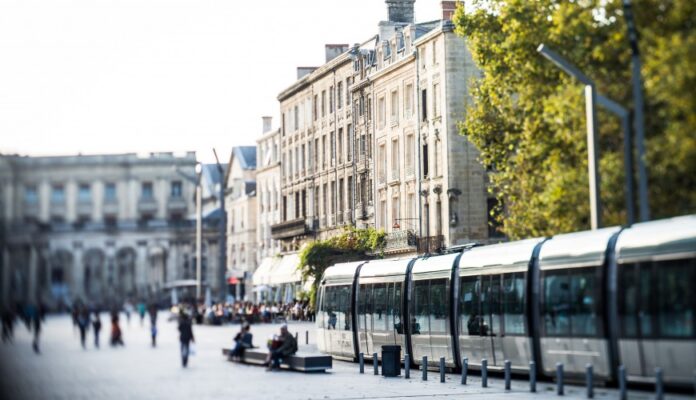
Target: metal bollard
x: 424, y: 368
x: 659, y: 388
x: 465, y: 367
x: 508, y: 374
x: 361, y: 360
x: 442, y: 369
x: 484, y: 373
x: 306, y: 337
x: 407, y: 366
x: 622, y: 383
x: 589, y: 382
x: 532, y: 376
x: 374, y: 363
x: 559, y: 379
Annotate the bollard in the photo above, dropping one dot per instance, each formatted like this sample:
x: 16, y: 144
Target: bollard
x: 622, y: 383
x: 559, y: 379
x: 484, y: 373
x: 361, y: 360
x: 659, y: 389
x: 532, y: 376
x: 374, y: 363
x: 424, y: 368
x: 306, y: 337
x: 465, y: 367
x: 407, y: 366
x: 589, y: 382
x: 508, y: 374
x: 442, y: 369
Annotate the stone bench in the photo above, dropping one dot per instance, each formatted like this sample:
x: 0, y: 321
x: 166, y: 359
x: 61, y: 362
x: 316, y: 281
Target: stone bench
x: 297, y: 362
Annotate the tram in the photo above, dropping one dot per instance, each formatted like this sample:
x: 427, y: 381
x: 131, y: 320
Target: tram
x: 608, y: 297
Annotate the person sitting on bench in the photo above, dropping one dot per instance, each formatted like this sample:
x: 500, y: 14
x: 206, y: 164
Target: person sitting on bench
x: 243, y: 341
x: 285, y: 345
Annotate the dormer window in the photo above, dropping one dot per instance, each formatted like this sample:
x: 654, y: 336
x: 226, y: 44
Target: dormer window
x: 386, y: 49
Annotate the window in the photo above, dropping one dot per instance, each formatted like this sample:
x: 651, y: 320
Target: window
x: 339, y: 95
x: 325, y: 210
x: 382, y: 166
x: 296, y: 119
x: 396, y: 209
x: 437, y: 157
x: 490, y: 305
x: 438, y: 306
x: 31, y: 195
x: 332, y: 151
x: 365, y: 307
x: 331, y: 99
x: 426, y: 164
x: 333, y: 197
x: 310, y: 157
x: 314, y: 107
x: 436, y: 100
x: 421, y: 56
x: 340, y: 145
x: 569, y: 302
x: 349, y: 146
x: 58, y: 194
x: 513, y: 303
x: 146, y: 190
x: 316, y: 153
x: 323, y: 152
x: 110, y: 191
x: 420, y: 308
x: 635, y: 301
x: 408, y: 153
x: 347, y: 91
x: 411, y: 206
x: 380, y: 307
x: 395, y: 309
x: 176, y: 189
x: 283, y: 124
x: 323, y: 103
x: 302, y: 158
x: 382, y: 112
x: 395, y: 159
x: 676, y: 299
x: 408, y: 100
x: 84, y: 193
x: 424, y: 104
x: 394, y: 111
x: 434, y: 52
x: 349, y: 191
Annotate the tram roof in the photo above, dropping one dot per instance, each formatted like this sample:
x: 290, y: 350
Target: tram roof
x: 342, y: 272
x: 661, y: 239
x: 433, y: 266
x: 385, y: 267
x: 579, y: 249
x: 508, y: 256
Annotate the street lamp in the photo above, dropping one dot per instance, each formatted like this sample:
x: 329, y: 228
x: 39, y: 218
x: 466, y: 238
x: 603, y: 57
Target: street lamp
x: 196, y: 180
x: 592, y: 130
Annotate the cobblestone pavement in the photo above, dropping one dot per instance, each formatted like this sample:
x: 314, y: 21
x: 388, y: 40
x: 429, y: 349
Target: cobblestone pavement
x: 64, y: 370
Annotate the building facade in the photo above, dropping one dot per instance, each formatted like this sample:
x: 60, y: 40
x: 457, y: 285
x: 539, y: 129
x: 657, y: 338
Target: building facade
x: 241, y: 206
x: 99, y: 228
x: 268, y: 189
x: 370, y: 139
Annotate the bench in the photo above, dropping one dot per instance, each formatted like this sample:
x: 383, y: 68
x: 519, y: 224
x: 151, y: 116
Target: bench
x: 297, y: 362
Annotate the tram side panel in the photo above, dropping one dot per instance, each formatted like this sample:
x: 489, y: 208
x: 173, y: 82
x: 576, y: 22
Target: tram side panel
x: 379, y: 314
x: 336, y: 321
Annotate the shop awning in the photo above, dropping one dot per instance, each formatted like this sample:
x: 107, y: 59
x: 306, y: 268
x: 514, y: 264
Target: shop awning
x: 262, y: 275
x: 286, y: 271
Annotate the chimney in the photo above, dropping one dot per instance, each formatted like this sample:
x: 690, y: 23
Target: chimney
x: 400, y: 10
x: 334, y: 50
x: 448, y: 9
x: 304, y: 71
x: 267, y: 123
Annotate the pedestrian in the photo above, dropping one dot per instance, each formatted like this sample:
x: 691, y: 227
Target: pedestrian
x: 153, y: 334
x: 141, y: 311
x: 152, y: 310
x: 83, y: 325
x: 116, y: 335
x: 282, y: 346
x: 8, y: 319
x: 96, y: 326
x: 243, y: 340
x: 185, y: 336
x: 128, y: 309
x: 34, y: 318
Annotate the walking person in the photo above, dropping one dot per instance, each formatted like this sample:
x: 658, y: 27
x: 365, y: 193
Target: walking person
x: 96, y: 326
x: 83, y: 325
x: 141, y: 311
x: 185, y: 336
x: 34, y: 319
x: 128, y: 308
x: 116, y: 335
x: 152, y: 310
x: 8, y: 319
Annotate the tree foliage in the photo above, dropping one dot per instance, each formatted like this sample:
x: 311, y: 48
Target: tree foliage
x: 528, y: 119
x: 351, y: 245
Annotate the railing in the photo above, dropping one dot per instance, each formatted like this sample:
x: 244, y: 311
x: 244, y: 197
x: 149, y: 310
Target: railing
x: 430, y: 244
x: 401, y: 241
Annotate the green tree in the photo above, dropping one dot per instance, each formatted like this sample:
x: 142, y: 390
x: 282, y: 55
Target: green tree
x: 527, y: 117
x: 351, y: 245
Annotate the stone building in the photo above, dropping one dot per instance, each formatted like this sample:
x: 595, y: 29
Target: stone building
x: 268, y: 189
x: 99, y: 228
x: 241, y: 207
x: 370, y: 139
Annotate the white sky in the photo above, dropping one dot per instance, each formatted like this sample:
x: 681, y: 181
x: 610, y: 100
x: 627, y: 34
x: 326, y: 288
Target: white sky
x: 100, y: 76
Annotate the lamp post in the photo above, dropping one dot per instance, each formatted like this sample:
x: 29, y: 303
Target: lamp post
x: 223, y: 232
x: 199, y: 250
x: 592, y: 130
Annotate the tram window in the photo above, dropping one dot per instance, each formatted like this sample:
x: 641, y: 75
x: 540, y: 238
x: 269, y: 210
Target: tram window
x: 343, y: 307
x: 646, y: 313
x: 676, y: 301
x: 419, y: 319
x: 469, y: 318
x: 330, y: 302
x: 557, y: 303
x: 364, y: 305
x: 628, y: 301
x: 396, y: 309
x: 380, y: 300
x: 322, y: 308
x: 490, y: 305
x: 438, y: 306
x: 513, y: 303
x: 584, y: 315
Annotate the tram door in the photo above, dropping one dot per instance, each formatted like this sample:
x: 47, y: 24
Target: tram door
x: 338, y: 335
x: 490, y: 310
x: 419, y: 321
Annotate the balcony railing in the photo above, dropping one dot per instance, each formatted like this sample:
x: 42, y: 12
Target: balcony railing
x: 84, y: 207
x: 289, y: 229
x: 147, y: 205
x: 110, y: 207
x: 402, y: 241
x: 430, y: 244
x: 176, y: 204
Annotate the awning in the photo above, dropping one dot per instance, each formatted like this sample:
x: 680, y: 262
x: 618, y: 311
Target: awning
x: 262, y: 275
x: 286, y: 271
x: 232, y: 280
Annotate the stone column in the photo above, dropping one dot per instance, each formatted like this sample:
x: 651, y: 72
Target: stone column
x: 78, y: 273
x: 141, y: 268
x: 6, y: 276
x: 32, y: 292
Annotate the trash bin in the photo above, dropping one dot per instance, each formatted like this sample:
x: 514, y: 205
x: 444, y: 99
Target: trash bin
x: 391, y: 360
